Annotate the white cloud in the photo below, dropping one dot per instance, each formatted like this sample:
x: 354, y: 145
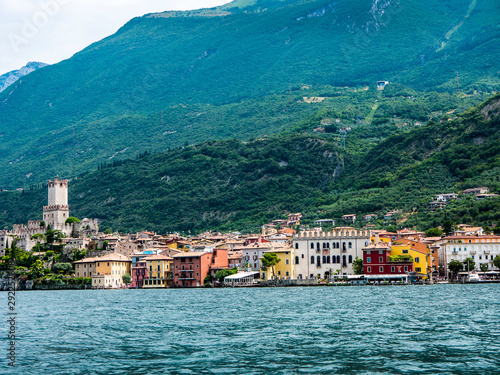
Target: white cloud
x: 53, y: 30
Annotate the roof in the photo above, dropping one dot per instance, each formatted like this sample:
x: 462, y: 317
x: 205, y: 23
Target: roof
x: 240, y: 275
x: 114, y: 257
x: 157, y: 257
x: 190, y: 254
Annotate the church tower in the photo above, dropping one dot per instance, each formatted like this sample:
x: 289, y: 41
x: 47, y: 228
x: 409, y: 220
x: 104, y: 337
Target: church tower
x: 57, y: 210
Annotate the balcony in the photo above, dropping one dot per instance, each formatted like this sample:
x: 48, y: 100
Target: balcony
x: 485, y: 251
x: 186, y: 270
x: 473, y: 251
x: 186, y: 277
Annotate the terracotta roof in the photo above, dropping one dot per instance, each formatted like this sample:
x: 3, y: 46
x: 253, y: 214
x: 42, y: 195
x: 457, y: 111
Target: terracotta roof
x: 157, y: 257
x: 190, y: 254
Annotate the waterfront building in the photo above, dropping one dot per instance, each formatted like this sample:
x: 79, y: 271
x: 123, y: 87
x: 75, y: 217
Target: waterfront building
x: 419, y: 253
x: 159, y: 268
x: 191, y: 268
x: 319, y: 254
x: 109, y: 270
x: 378, y: 260
x: 139, y: 273
x: 482, y: 249
x: 285, y: 268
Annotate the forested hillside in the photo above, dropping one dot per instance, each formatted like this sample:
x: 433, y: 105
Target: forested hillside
x: 241, y: 70
x: 235, y: 185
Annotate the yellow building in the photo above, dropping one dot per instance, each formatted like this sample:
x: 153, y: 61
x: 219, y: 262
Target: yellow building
x: 418, y: 251
x: 159, y: 271
x: 285, y: 269
x: 106, y: 271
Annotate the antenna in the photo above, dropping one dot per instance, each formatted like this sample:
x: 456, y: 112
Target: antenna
x: 458, y: 85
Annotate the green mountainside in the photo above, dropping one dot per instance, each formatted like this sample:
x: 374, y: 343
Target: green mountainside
x: 235, y: 185
x: 241, y: 70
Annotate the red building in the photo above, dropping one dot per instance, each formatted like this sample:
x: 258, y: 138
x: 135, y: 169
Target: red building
x: 139, y: 273
x: 191, y: 268
x: 377, y: 261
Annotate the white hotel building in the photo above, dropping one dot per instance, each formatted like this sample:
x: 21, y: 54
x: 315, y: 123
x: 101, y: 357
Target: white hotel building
x: 482, y: 249
x: 323, y: 253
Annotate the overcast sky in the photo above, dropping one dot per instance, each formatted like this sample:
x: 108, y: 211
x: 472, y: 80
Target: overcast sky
x: 53, y: 30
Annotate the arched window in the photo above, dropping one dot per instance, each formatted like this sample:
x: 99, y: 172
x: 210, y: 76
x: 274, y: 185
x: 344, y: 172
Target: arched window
x: 328, y: 259
x: 324, y: 258
x: 317, y: 246
x: 324, y: 245
x: 350, y: 245
x: 343, y: 245
x: 312, y: 259
x: 338, y: 258
x: 366, y: 243
x: 297, y: 245
x: 312, y: 245
x: 350, y: 258
x: 297, y: 259
x: 318, y: 260
x: 328, y: 245
x: 344, y: 260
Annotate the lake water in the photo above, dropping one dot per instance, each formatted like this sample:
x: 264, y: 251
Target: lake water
x: 448, y: 329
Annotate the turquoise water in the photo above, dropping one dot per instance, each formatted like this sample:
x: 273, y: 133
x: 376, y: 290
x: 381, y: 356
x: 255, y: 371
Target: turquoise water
x: 448, y: 329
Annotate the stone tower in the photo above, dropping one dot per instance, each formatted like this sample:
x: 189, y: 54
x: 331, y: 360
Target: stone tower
x: 57, y: 210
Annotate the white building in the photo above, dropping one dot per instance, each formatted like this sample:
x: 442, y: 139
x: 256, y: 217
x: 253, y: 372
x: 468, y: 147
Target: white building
x: 482, y: 249
x: 323, y: 253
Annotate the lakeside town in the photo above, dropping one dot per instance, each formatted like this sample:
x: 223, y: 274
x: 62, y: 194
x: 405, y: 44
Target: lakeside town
x: 61, y: 251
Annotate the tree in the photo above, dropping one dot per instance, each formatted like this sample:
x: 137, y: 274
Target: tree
x: 392, y: 229
x: 455, y: 266
x: 36, y: 270
x: 357, y: 266
x: 71, y: 220
x: 269, y: 260
x: 448, y: 227
x: 483, y: 267
x: 221, y: 274
x: 127, y: 279
x: 496, y: 261
x: 62, y: 267
x: 434, y: 232
x: 469, y: 264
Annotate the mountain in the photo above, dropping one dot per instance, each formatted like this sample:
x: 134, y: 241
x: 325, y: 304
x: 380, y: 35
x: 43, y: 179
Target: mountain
x: 172, y: 78
x: 8, y: 79
x: 216, y: 184
x: 235, y: 185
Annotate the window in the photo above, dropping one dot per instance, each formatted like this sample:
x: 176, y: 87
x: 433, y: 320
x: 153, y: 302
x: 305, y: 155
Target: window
x: 343, y: 245
x: 317, y: 246
x: 405, y: 251
x: 318, y: 260
x: 381, y: 251
x: 263, y: 276
x: 418, y: 269
x: 150, y: 268
x: 381, y: 259
x: 338, y: 258
x: 296, y: 260
x: 350, y: 258
x: 312, y: 259
x: 369, y: 252
x: 368, y: 269
x: 368, y: 259
x: 324, y: 258
x: 286, y: 273
x: 350, y: 245
x: 381, y: 269
x: 312, y: 245
x: 393, y: 269
x: 417, y: 259
x: 296, y: 245
x: 328, y: 259
x: 158, y: 267
x: 406, y: 268
x: 279, y: 273
x: 287, y: 261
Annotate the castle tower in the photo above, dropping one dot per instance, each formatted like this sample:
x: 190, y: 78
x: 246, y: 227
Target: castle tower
x: 57, y: 210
